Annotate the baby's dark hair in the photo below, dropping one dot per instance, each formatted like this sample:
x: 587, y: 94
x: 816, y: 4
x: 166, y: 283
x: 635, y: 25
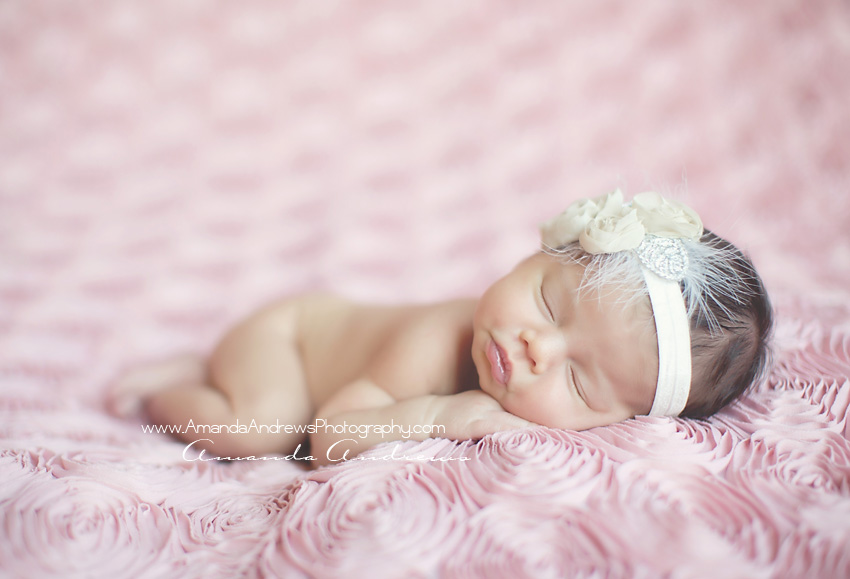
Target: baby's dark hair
x: 730, y: 342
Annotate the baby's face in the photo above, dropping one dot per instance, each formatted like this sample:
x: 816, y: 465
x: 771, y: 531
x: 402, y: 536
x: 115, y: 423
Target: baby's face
x: 561, y: 359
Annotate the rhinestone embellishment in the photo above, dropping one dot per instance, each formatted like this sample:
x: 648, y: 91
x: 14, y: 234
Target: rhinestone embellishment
x: 663, y: 256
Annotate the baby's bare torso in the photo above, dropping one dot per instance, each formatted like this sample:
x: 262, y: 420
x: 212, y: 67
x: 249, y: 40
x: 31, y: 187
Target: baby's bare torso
x: 406, y: 350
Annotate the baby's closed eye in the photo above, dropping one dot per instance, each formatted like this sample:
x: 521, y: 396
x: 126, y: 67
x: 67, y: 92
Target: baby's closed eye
x: 573, y: 380
x: 546, y: 307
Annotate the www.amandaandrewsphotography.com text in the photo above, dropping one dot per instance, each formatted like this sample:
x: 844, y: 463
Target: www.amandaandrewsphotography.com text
x: 192, y: 451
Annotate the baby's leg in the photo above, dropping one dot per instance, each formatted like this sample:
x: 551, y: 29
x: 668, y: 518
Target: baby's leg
x: 254, y: 377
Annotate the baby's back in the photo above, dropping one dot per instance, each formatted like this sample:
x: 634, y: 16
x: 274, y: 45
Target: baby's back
x: 408, y: 350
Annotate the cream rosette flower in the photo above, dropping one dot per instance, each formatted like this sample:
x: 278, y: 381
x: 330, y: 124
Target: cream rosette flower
x: 569, y: 225
x: 566, y: 227
x: 613, y: 233
x: 606, y: 224
x: 666, y: 217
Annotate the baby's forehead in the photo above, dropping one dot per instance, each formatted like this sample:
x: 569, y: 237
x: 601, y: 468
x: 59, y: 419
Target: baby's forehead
x: 624, y: 296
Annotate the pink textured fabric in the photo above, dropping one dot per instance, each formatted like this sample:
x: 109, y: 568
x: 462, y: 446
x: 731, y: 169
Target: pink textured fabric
x: 167, y: 166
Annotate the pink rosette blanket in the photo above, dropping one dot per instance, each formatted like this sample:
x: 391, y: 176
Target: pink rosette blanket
x: 168, y: 166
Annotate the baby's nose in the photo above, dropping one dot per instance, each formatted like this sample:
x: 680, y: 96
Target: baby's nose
x: 543, y: 349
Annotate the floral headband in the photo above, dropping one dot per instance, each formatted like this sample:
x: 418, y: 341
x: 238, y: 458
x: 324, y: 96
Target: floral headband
x: 663, y: 235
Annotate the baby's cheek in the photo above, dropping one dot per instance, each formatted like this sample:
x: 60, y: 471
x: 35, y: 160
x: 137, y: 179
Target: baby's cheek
x: 542, y: 407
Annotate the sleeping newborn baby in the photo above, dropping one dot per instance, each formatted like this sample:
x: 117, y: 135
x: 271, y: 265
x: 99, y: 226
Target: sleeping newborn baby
x: 629, y: 309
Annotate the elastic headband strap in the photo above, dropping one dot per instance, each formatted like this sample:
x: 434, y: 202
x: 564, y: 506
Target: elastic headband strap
x: 674, y: 345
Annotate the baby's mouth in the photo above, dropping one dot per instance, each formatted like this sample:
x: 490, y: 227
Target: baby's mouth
x: 500, y: 366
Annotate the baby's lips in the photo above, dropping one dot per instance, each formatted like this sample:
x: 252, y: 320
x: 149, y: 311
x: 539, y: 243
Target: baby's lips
x: 500, y: 365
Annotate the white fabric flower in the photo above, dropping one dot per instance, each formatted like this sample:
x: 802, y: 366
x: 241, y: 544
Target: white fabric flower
x: 667, y: 218
x: 613, y: 233
x: 606, y: 225
x: 568, y: 226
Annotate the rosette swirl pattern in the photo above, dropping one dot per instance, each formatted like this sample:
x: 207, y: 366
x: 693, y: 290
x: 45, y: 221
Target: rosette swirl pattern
x: 539, y: 462
x: 79, y: 527
x: 403, y: 515
x: 532, y: 538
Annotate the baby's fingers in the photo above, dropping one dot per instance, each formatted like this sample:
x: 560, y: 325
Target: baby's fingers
x: 497, y: 422
x: 474, y: 414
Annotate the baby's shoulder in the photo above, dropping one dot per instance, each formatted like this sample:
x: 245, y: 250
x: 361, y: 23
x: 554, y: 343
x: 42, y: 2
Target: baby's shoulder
x: 438, y: 319
x: 395, y: 320
x: 423, y: 351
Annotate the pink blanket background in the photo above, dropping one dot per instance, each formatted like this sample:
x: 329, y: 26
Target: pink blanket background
x: 168, y: 166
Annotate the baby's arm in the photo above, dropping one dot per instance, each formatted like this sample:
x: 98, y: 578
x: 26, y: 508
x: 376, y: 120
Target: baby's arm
x: 463, y: 416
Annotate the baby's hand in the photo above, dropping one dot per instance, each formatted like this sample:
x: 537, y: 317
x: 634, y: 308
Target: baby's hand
x: 472, y: 415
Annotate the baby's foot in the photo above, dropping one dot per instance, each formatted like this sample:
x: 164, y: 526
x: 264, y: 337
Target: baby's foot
x: 127, y: 395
